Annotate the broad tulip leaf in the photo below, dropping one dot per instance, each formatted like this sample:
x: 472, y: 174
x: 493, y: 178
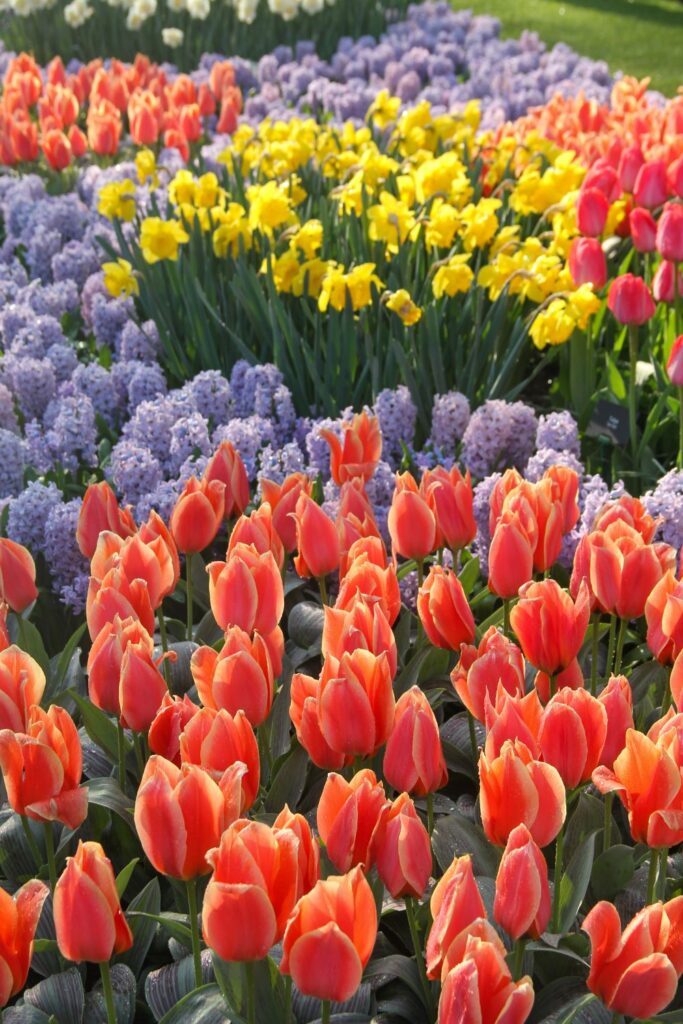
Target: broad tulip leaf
x: 575, y: 881
x: 203, y: 1006
x: 612, y: 871
x: 455, y: 835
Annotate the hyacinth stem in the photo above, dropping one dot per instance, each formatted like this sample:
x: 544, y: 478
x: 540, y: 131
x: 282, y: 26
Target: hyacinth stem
x: 121, y: 748
x: 607, y: 828
x: 417, y: 947
x: 323, y: 590
x: 663, y: 869
x: 610, y: 646
x: 559, y: 864
x: 506, y: 617
x: 632, y: 405
x: 680, y: 428
x: 620, y: 647
x: 191, y: 886
x: 473, y: 736
x: 108, y: 992
x: 50, y: 851
x: 325, y: 1011
x: 33, y: 845
x: 188, y: 572
x: 652, y: 876
x: 251, y: 992
x: 518, y: 958
x: 430, y: 813
x: 164, y: 647
x: 594, y: 653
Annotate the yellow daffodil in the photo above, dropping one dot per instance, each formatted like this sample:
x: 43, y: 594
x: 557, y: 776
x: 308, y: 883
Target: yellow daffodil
x: 146, y: 166
x: 159, y: 239
x: 309, y: 238
x: 403, y: 306
x: 455, y: 276
x: 384, y: 110
x: 181, y: 190
x: 232, y: 231
x: 391, y: 221
x: 553, y: 325
x: 119, y: 279
x: 270, y: 207
x: 479, y: 222
x: 357, y: 283
x: 117, y: 200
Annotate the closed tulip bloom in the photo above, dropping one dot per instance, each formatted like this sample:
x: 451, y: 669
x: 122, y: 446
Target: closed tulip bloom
x: 364, y: 626
x: 356, y: 703
x: 138, y: 560
x: 42, y: 768
x: 238, y: 678
x: 359, y: 451
x: 258, y: 529
x: 246, y: 591
x: 22, y: 684
x: 370, y: 578
x: 216, y: 740
x: 227, y: 468
x: 444, y: 610
x: 403, y: 851
x: 539, y: 802
x: 308, y: 851
x: 449, y: 495
x: 89, y: 922
x: 592, y: 207
x: 169, y: 722
x: 670, y: 233
x: 197, y: 514
x: 602, y: 176
x: 105, y: 659
x: 549, y: 625
x: 630, y: 162
x: 628, y: 510
x: 19, y: 916
x: 570, y: 678
x: 643, y: 229
x: 282, y: 499
x: 181, y: 813
x: 252, y: 890
x: 348, y: 814
x: 17, y: 576
x: 674, y: 364
x: 587, y: 263
x: 101, y: 511
x: 572, y: 735
x: 141, y: 687
x: 664, y: 617
x: 513, y: 718
x: 455, y: 905
x: 156, y: 527
x: 414, y: 760
x: 481, y: 670
x: 117, y: 595
x: 316, y: 540
x: 522, y: 905
x: 330, y: 937
x: 511, y: 558
x: 636, y: 972
x: 412, y: 523
x: 675, y: 177
x: 304, y: 711
x: 667, y: 279
x: 481, y: 989
x: 650, y: 188
x: 630, y: 300
x: 617, y: 700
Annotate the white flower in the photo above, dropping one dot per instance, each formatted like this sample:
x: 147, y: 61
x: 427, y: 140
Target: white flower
x: 134, y: 19
x: 246, y: 10
x: 176, y: 5
x: 77, y: 13
x: 199, y: 9
x: 172, y: 36
x: 312, y: 6
x: 287, y: 9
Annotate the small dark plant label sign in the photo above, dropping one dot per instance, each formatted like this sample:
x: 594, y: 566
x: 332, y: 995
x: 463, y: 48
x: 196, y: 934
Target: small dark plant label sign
x: 610, y: 421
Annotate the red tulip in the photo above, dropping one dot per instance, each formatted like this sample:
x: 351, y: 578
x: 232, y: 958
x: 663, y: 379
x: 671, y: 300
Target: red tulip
x: 444, y: 610
x: 617, y: 699
x: 282, y: 499
x: 549, y: 625
x: 650, y: 188
x: 370, y: 579
x: 56, y: 149
x: 666, y: 281
x: 674, y: 365
x: 412, y: 523
x: 572, y: 735
x: 629, y: 510
x: 630, y: 162
x: 482, y: 670
x: 539, y: 795
x: 449, y: 495
x: 513, y: 718
x: 592, y: 208
x: 240, y: 677
x: 216, y: 740
x: 89, y: 922
x: 227, y: 467
x: 664, y: 617
x: 246, y: 591
x: 114, y: 596
x: 304, y: 711
x: 19, y: 915
x: 670, y: 233
x: 356, y: 703
x: 17, y: 576
x: 316, y: 540
x: 414, y: 760
x: 308, y: 849
x: 197, y: 515
x: 480, y: 988
x: 511, y: 557
x: 364, y: 626
x: 455, y: 904
x: 522, y: 905
x: 348, y: 815
x: 403, y: 852
x: 258, y: 530
x: 587, y: 263
x: 359, y: 451
x: 164, y: 733
x: 643, y: 229
x: 630, y: 301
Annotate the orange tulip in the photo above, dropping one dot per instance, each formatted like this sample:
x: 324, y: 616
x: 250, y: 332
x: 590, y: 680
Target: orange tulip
x: 141, y: 687
x: 252, y: 890
x: 348, y: 815
x: 164, y: 733
x: 216, y: 740
x: 511, y: 557
x: 22, y: 684
x: 240, y: 677
x: 572, y: 735
x: 480, y: 988
x: 197, y: 515
x: 539, y: 802
x: 620, y: 569
x: 181, y: 813
x: 101, y: 511
x: 42, y: 768
x: 414, y: 760
x: 513, y: 718
x: 570, y: 678
x: 282, y: 499
x: 449, y: 495
x: 364, y: 626
x: 316, y: 539
x: 496, y: 662
x: 630, y: 511
x: 304, y: 711
x: 617, y: 700
x: 359, y: 451
x: 402, y: 849
x: 356, y: 703
x: 370, y: 578
x: 137, y: 559
x: 114, y: 596
x: 89, y: 922
x: 56, y: 149
x: 104, y: 130
x: 444, y: 610
x: 664, y: 617
x: 246, y: 591
x: 355, y: 520
x: 258, y: 529
x: 19, y: 915
x: 412, y: 523
x: 522, y: 905
x: 549, y: 625
x: 455, y: 904
x: 17, y: 576
x: 636, y: 973
x: 156, y: 527
x: 330, y: 936
x: 144, y: 127
x: 226, y: 466
x: 106, y: 657
x: 308, y: 850
x: 4, y: 634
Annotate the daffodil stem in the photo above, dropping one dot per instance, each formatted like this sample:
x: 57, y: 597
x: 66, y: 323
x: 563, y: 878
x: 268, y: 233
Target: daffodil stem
x: 164, y: 647
x: 652, y: 876
x: 108, y: 992
x: 632, y: 394
x: 559, y: 859
x: 607, y: 826
x: 620, y: 647
x: 417, y: 947
x: 188, y: 571
x: 191, y: 886
x: 50, y: 851
x: 594, y: 653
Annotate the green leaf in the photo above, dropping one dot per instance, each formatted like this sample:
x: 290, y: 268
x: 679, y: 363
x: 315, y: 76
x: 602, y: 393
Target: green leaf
x: 575, y: 881
x: 612, y: 871
x: 289, y: 781
x: 147, y: 901
x: 469, y: 574
x: 455, y: 835
x: 106, y: 792
x: 391, y: 967
x: 171, y: 923
x: 99, y: 727
x: 203, y: 1006
x: 63, y: 666
x: 124, y: 876
x: 60, y: 995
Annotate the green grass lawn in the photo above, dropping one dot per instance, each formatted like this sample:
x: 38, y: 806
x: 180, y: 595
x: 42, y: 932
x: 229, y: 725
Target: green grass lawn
x: 638, y: 37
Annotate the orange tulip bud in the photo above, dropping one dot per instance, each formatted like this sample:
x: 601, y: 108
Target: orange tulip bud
x: 370, y: 579
x: 630, y: 511
x: 226, y: 466
x: 496, y: 662
x: 330, y: 937
x: 19, y: 915
x: 549, y: 625
x: 56, y: 149
x: 359, y: 451
x: 308, y: 850
x: 22, y: 684
x: 413, y: 760
x: 348, y: 814
x: 240, y: 677
x: 316, y: 540
x: 365, y: 626
x: 617, y: 700
x: 664, y: 617
x: 116, y: 595
x: 449, y: 495
x: 511, y: 557
x: 636, y: 973
x: 455, y: 904
x: 150, y: 561
x: 169, y: 721
x: 156, y: 527
x: 258, y: 530
x: 539, y: 802
x: 246, y: 591
x: 282, y: 499
x: 444, y: 610
x: 412, y: 523
x: 181, y: 813
x: 141, y: 687
x: 403, y: 851
x: 17, y: 576
x: 89, y: 922
x: 197, y: 515
x: 572, y: 735
x: 42, y: 768
x: 513, y: 718
x: 106, y: 657
x: 356, y: 703
x: 216, y: 740
x: 522, y: 905
x: 252, y: 890
x: 480, y: 988
x: 304, y: 711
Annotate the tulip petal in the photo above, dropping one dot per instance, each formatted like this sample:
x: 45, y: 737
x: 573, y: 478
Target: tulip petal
x: 238, y: 921
x: 646, y: 987
x: 324, y: 964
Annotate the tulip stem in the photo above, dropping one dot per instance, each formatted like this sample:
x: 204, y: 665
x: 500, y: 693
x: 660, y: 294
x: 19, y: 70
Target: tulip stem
x: 251, y: 994
x: 506, y: 617
x: 559, y: 859
x: 430, y: 813
x: 607, y: 828
x: 417, y: 947
x: 552, y: 684
x: 288, y: 999
x: 518, y: 958
x: 620, y: 647
x: 594, y: 654
x: 191, y: 886
x: 323, y: 590
x: 33, y: 845
x: 652, y: 876
x: 663, y: 869
x: 632, y: 406
x: 50, y: 851
x: 121, y: 747
x: 473, y: 736
x: 108, y: 992
x: 188, y: 573
x: 610, y: 646
x: 164, y: 647
x: 139, y: 756
x: 326, y: 1011
x: 680, y: 428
